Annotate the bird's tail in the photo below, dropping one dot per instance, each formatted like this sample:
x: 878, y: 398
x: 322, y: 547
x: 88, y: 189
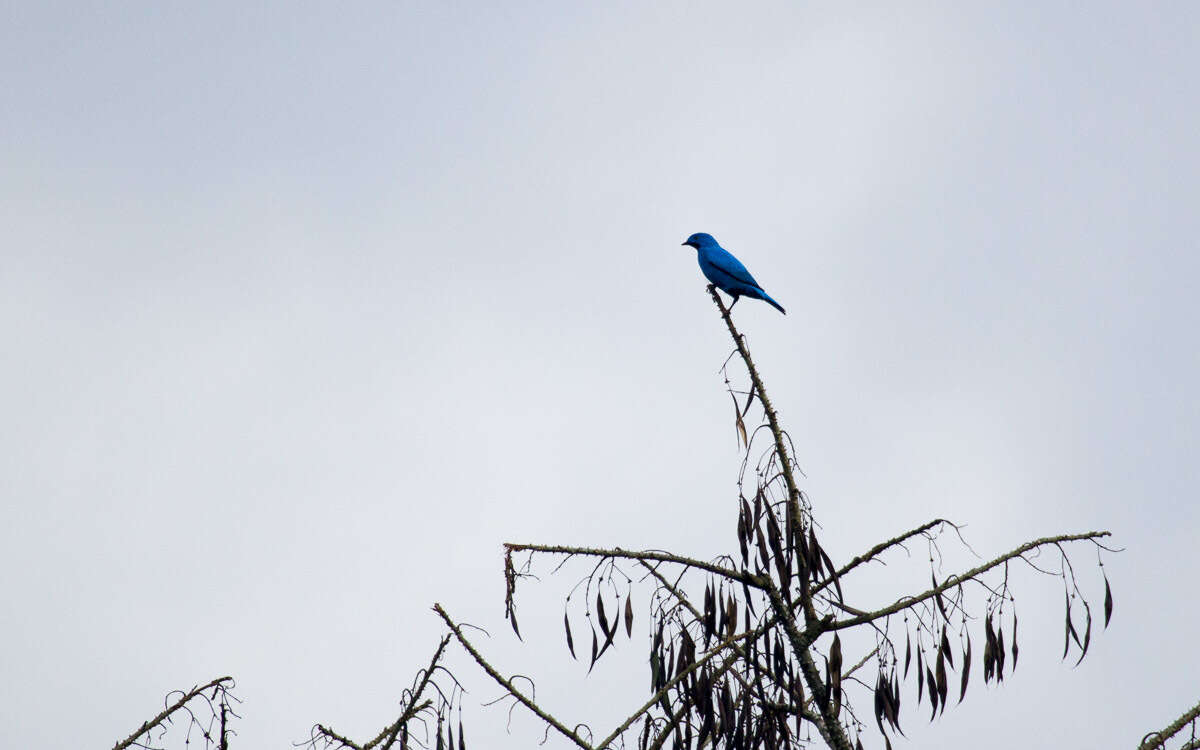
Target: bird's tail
x: 767, y: 298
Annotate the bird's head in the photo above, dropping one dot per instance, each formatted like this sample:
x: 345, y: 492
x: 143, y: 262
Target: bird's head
x: 699, y: 240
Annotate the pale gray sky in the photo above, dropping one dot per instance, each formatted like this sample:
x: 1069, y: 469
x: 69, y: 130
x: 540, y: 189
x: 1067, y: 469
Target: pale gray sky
x: 307, y: 307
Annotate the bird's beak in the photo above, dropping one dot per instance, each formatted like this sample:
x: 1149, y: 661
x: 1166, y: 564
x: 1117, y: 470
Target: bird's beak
x: 683, y: 243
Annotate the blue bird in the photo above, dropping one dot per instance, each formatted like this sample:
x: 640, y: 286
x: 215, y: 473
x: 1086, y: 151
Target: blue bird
x: 727, y: 272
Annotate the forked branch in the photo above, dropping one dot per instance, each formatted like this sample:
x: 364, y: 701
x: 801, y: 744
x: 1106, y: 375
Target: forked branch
x: 414, y: 705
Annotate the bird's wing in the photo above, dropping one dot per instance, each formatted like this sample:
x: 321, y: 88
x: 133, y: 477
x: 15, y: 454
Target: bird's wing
x: 724, y: 260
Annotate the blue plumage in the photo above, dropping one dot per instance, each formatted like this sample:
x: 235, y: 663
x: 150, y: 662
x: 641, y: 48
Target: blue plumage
x: 727, y: 272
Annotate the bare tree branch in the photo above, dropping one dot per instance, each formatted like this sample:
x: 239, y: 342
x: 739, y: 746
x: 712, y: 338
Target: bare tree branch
x: 158, y: 720
x: 834, y: 733
x: 955, y: 580
x: 761, y: 392
x: 1159, y: 739
x: 507, y: 685
x: 415, y: 704
x: 860, y: 663
x: 876, y: 551
x: 330, y: 735
x: 616, y: 552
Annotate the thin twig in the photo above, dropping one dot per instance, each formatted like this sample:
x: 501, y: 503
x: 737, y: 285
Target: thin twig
x: 846, y: 675
x: 507, y: 685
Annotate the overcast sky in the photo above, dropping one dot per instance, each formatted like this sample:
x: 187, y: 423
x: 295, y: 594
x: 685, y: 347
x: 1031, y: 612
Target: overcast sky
x: 305, y: 308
